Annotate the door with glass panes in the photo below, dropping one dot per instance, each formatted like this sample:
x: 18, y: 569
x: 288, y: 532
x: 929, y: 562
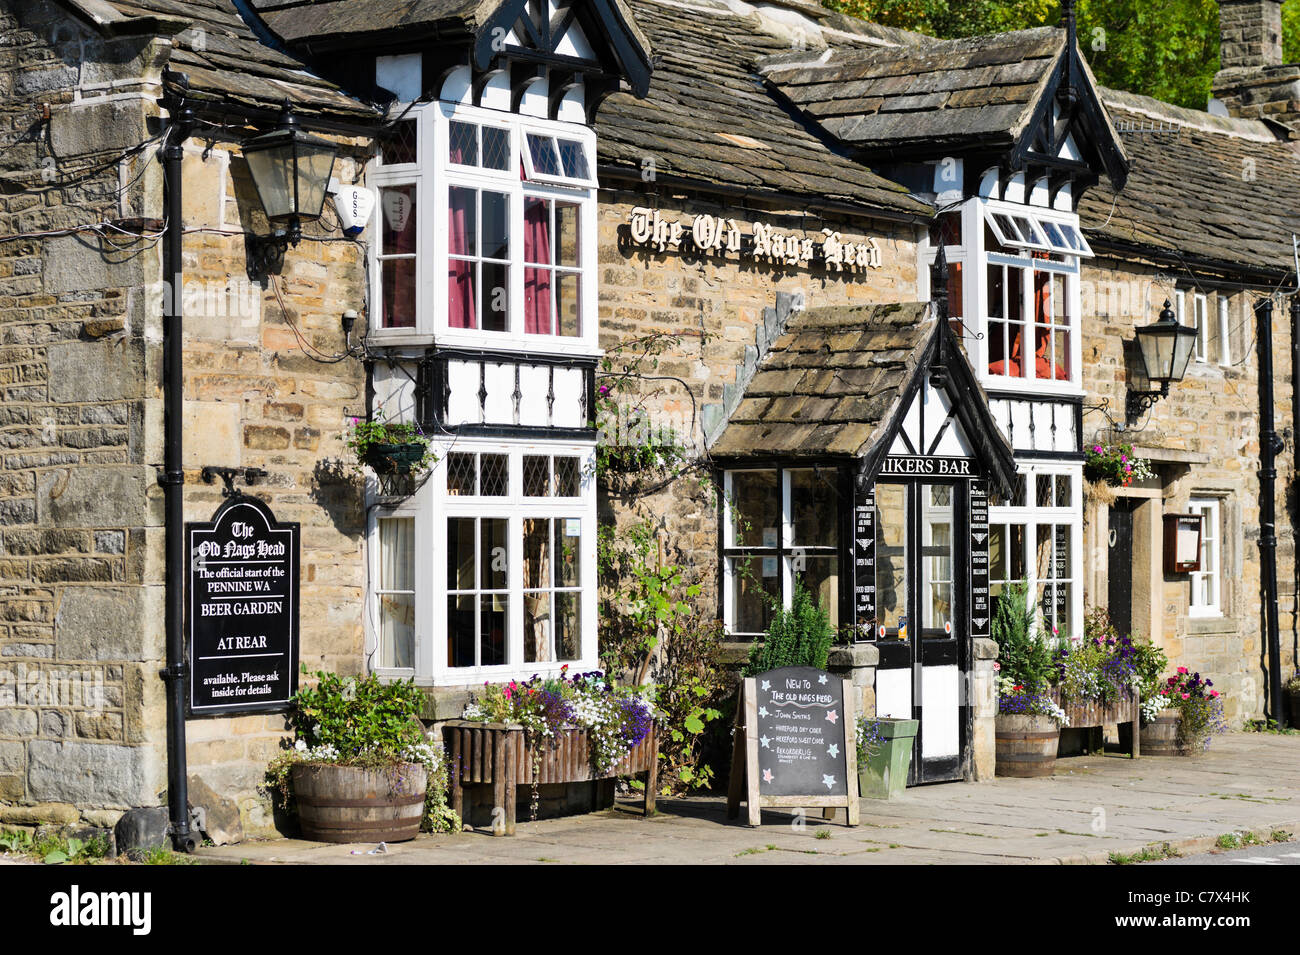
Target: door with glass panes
x: 922, y: 565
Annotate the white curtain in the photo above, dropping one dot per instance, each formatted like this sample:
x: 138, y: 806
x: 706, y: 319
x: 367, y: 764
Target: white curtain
x: 397, y: 592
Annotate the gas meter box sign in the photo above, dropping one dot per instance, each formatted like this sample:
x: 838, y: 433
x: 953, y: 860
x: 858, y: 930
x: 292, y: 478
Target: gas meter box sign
x: 242, y: 604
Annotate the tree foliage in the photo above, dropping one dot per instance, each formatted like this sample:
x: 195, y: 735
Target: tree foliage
x: 1168, y: 49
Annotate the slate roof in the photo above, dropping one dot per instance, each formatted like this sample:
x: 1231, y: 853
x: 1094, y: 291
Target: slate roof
x: 304, y: 21
x: 709, y: 119
x: 223, y: 58
x: 829, y: 383
x: 931, y: 93
x: 1208, y: 187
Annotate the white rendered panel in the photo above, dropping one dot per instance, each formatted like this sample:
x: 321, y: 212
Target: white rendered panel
x: 395, y: 393
x: 463, y: 383
x: 1020, y: 426
x: 940, y: 698
x: 575, y: 43
x: 456, y: 87
x: 401, y: 75
x: 894, y: 694
x: 573, y: 107
x: 570, y: 383
x: 496, y: 95
x: 533, y: 385
x: 500, y: 405
x: 534, y: 99
x: 989, y: 184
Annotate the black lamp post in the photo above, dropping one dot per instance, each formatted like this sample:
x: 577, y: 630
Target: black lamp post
x: 291, y: 172
x: 1166, y: 347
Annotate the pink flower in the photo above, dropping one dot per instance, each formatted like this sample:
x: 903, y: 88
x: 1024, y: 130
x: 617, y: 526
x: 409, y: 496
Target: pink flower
x: 1182, y: 669
x: 1214, y: 693
x: 1187, y: 696
x: 996, y: 666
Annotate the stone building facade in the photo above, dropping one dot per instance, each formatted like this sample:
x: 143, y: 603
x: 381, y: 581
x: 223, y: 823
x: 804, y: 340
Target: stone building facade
x: 730, y: 127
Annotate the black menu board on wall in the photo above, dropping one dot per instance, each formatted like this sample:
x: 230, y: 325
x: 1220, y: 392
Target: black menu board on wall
x: 980, y: 608
x: 864, y: 565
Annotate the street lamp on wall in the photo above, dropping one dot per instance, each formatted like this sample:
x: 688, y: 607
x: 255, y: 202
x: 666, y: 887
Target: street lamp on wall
x: 291, y: 173
x: 1166, y: 347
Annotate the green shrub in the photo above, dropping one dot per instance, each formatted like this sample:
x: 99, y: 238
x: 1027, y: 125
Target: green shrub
x: 1024, y: 658
x: 798, y: 637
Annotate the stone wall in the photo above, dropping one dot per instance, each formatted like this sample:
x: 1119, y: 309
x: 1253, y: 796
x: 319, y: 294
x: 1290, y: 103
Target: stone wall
x: 722, y: 311
x: 82, y: 577
x: 262, y: 391
x: 1250, y: 33
x: 1204, y: 442
x: 81, y: 605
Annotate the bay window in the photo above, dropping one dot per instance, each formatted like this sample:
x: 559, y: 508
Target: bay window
x: 489, y: 571
x: 780, y: 528
x: 1035, y: 537
x: 1013, y: 291
x: 487, y: 230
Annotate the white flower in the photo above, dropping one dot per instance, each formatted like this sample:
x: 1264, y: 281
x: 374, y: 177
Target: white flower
x: 301, y: 746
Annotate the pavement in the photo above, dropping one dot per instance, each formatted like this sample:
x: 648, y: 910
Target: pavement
x: 1093, y: 808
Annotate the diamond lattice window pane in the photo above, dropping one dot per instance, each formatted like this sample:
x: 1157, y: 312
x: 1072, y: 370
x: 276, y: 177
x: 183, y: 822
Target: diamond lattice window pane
x: 494, y: 475
x: 496, y: 148
x: 399, y: 144
x: 460, y: 474
x: 566, y: 477
x: 462, y: 143
x: 542, y: 151
x: 537, y: 476
x: 574, y: 158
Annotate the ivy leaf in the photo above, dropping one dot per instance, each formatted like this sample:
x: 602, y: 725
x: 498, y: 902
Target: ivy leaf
x: 694, y: 725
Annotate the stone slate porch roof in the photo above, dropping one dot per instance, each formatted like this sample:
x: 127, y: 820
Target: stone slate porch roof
x: 933, y: 94
x: 221, y: 55
x: 829, y: 383
x: 1201, y: 187
x: 709, y: 119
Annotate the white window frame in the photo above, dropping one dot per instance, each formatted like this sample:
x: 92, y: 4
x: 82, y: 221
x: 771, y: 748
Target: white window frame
x: 431, y: 507
x: 1200, y: 318
x: 976, y: 260
x: 1211, y: 509
x: 787, y: 547
x: 1030, y: 516
x: 1225, y: 343
x: 433, y: 175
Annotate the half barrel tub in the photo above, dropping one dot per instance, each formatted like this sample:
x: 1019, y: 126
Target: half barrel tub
x: 1026, y: 745
x: 1163, y: 736
x: 352, y: 804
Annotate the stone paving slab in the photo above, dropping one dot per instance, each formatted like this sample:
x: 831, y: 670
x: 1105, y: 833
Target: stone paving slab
x: 1092, y: 807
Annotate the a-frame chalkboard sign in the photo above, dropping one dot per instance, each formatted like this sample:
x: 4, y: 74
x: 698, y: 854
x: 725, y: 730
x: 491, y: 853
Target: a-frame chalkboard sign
x: 795, y: 744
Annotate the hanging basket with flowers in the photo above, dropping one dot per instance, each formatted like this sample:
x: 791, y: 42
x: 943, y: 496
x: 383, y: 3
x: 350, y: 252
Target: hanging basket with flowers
x: 1115, y: 465
x: 394, y: 450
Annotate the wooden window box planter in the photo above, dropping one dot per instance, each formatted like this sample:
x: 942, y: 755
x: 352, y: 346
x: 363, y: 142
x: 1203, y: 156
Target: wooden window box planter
x: 1125, y: 713
x: 498, y: 754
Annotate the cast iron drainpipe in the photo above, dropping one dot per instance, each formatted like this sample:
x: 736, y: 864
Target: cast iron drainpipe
x: 176, y: 673
x: 1269, y: 445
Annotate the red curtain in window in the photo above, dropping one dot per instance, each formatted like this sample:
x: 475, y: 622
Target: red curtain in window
x: 460, y: 279
x: 537, y: 282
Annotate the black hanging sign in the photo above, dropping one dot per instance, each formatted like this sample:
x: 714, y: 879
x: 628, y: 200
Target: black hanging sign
x: 980, y: 607
x: 903, y: 465
x: 795, y: 744
x: 243, y: 610
x: 864, y: 565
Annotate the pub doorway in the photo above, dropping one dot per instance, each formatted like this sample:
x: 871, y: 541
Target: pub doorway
x: 923, y: 636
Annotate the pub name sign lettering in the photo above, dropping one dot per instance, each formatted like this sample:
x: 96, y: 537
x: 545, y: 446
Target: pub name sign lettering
x: 717, y: 235
x: 243, y: 610
x: 895, y: 465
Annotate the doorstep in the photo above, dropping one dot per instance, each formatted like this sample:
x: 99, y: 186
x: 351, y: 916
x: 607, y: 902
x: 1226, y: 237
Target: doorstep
x: 1093, y: 806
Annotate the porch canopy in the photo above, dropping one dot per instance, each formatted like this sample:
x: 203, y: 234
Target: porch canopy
x: 841, y: 382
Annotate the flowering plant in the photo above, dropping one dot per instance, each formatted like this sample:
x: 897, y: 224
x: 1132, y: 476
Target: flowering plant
x: 1115, y: 464
x: 368, y: 441
x: 1016, y: 698
x: 869, y: 738
x: 616, y: 719
x: 364, y: 722
x: 1200, y: 705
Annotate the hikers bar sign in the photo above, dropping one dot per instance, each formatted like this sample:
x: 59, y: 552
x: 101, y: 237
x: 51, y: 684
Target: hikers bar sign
x: 242, y: 603
x: 795, y: 744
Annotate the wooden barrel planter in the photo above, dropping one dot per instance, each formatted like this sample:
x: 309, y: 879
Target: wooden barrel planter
x: 1125, y: 713
x: 1162, y: 736
x: 498, y: 754
x: 352, y: 804
x: 1026, y: 745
